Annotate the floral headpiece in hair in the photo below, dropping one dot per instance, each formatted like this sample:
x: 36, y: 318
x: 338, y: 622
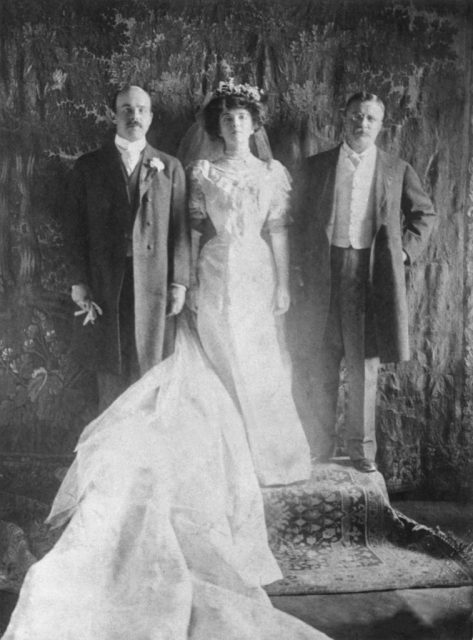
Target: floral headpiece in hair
x: 224, y: 89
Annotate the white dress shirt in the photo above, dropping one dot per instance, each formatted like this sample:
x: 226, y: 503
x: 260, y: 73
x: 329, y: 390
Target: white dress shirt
x: 352, y: 221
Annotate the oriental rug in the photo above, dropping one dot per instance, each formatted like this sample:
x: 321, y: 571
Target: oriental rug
x: 337, y: 533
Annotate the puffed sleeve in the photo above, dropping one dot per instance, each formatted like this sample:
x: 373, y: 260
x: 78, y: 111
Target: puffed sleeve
x: 196, y: 196
x: 279, y: 210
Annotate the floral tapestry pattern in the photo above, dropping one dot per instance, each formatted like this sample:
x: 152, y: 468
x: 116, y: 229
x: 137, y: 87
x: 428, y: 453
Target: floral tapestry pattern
x: 61, y: 63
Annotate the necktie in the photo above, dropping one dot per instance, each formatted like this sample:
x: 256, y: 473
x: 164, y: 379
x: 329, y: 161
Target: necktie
x: 130, y: 159
x: 355, y: 159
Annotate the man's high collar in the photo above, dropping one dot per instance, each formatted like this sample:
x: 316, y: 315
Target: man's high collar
x: 364, y: 154
x: 135, y: 146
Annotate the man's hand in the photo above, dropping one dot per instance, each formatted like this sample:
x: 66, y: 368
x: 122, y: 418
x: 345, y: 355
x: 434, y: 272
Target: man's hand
x: 282, y: 300
x: 176, y: 299
x: 81, y: 295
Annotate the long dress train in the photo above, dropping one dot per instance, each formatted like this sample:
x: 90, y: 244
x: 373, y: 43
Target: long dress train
x: 166, y: 536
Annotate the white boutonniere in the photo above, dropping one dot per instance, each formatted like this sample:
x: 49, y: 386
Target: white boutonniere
x: 156, y: 164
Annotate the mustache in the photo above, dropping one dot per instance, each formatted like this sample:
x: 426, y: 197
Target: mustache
x: 133, y: 123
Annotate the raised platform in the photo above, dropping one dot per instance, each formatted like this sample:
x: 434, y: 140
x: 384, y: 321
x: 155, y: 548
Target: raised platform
x: 337, y: 533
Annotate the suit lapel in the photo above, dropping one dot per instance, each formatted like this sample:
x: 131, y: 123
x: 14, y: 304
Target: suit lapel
x: 327, y: 192
x: 382, y: 186
x: 115, y: 180
x: 149, y: 173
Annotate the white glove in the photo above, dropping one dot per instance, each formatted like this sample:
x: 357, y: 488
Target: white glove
x: 176, y: 299
x: 80, y: 294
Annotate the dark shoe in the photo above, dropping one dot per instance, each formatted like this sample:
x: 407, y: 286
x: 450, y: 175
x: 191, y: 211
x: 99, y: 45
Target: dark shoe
x: 364, y: 465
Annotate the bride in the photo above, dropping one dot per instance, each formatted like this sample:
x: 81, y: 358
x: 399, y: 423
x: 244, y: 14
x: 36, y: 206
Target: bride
x: 165, y: 537
x: 239, y: 204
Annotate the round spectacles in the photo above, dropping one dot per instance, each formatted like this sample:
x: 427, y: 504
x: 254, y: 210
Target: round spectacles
x: 361, y: 117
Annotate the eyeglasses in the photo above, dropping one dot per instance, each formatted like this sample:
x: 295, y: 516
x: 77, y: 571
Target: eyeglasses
x: 360, y: 117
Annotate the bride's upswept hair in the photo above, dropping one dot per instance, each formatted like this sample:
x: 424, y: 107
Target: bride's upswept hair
x: 220, y: 103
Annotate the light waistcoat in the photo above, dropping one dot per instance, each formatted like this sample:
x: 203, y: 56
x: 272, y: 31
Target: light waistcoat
x: 352, y: 220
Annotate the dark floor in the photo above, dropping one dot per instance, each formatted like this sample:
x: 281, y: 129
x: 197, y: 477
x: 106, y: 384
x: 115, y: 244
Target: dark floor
x: 449, y: 516
x: 410, y: 614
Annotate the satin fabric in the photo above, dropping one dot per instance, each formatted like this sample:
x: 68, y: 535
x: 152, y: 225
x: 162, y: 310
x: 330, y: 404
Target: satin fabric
x: 166, y: 536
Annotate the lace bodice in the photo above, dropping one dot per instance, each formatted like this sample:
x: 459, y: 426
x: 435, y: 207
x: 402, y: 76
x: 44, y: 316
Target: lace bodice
x: 239, y: 199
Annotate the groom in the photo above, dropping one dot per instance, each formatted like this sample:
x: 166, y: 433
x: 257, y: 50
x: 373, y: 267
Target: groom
x: 365, y: 217
x: 129, y: 249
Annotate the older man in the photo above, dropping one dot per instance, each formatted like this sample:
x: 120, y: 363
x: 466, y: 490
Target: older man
x: 365, y: 216
x: 129, y: 249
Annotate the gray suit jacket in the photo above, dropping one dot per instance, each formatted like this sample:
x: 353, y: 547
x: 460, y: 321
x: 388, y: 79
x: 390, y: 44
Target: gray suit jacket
x: 404, y: 221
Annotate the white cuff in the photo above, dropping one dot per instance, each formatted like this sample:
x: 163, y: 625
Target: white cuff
x: 179, y: 286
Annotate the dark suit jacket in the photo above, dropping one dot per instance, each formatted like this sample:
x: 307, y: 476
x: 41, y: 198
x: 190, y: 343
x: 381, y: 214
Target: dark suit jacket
x: 404, y: 220
x: 97, y: 219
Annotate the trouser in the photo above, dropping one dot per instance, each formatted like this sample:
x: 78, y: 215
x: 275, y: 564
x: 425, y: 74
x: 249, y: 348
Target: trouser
x: 349, y: 334
x: 111, y: 385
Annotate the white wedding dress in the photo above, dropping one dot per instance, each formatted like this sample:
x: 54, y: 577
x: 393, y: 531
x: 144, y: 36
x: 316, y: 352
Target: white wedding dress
x: 166, y: 538
x: 237, y: 206
x: 165, y: 535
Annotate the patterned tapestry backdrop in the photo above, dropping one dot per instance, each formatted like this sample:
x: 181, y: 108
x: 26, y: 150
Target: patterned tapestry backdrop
x: 61, y: 61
